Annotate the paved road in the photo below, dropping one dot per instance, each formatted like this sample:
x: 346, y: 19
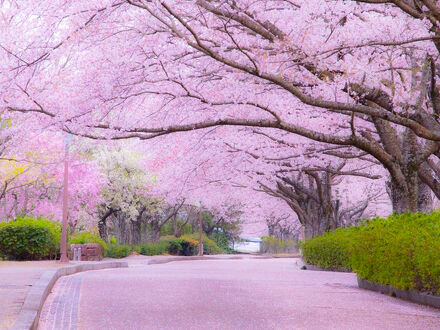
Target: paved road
x: 225, y: 294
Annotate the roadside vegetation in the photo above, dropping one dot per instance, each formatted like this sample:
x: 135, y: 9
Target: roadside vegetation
x: 37, y: 238
x: 276, y: 245
x: 402, y: 251
x: 29, y: 238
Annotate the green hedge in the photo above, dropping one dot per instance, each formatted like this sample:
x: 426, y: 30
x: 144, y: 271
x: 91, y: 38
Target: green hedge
x: 332, y: 250
x: 402, y: 251
x: 185, y: 246
x: 209, y: 246
x: 87, y: 237
x: 29, y: 239
x: 152, y: 249
x: 118, y: 251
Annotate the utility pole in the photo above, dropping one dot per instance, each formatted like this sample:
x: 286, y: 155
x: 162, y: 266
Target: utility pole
x: 63, y: 240
x: 200, y: 232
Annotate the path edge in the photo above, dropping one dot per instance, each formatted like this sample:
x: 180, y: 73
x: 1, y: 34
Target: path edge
x: 29, y: 315
x: 409, y: 295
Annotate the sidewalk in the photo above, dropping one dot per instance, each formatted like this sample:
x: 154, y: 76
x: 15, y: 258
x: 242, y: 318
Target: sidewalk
x: 17, y: 278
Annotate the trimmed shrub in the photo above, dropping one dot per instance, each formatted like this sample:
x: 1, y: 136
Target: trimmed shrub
x: 332, y: 250
x: 184, y: 246
x: 87, y: 237
x: 118, y: 251
x: 172, y: 244
x: 29, y: 239
x: 402, y: 251
x: 152, y: 249
x: 209, y: 246
x: 190, y: 246
x: 274, y: 245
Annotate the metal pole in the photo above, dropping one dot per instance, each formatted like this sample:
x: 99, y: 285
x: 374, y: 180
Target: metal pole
x: 200, y: 233
x: 63, y: 240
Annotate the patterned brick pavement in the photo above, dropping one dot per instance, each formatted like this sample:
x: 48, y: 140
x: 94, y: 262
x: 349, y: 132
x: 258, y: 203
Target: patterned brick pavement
x: 228, y: 294
x: 60, y: 310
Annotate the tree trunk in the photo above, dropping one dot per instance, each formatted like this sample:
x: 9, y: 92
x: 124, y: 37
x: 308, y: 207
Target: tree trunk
x: 155, y: 231
x: 135, y: 232
x: 308, y: 229
x: 175, y: 227
x: 404, y: 195
x: 102, y: 228
x: 424, y: 201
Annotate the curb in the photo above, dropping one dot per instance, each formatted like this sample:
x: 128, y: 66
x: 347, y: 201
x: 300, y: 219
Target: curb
x: 316, y: 268
x: 304, y: 266
x: 186, y: 258
x: 409, y: 295
x: 30, y: 311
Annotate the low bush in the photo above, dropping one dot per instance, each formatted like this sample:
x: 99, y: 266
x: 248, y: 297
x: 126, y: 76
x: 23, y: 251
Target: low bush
x: 118, y: 251
x: 87, y: 237
x: 402, y: 251
x: 274, y: 245
x: 209, y: 246
x: 29, y: 239
x: 152, y: 249
x: 185, y: 246
x: 332, y: 250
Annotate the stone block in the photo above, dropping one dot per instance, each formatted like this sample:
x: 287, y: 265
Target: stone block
x: 89, y: 251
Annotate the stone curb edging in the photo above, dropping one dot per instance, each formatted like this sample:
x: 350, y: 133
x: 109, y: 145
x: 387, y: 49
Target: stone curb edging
x: 302, y: 264
x: 186, y: 258
x: 410, y: 295
x: 313, y: 267
x: 30, y: 312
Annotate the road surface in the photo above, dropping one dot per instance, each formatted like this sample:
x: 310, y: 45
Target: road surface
x: 225, y: 294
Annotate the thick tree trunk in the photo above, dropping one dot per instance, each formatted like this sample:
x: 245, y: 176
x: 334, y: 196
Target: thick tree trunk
x: 135, y: 232
x: 102, y: 228
x: 155, y: 231
x: 424, y: 201
x: 309, y: 232
x: 317, y: 222
x: 404, y: 195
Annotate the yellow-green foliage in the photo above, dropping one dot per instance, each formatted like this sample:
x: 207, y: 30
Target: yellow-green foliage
x: 274, y: 245
x: 184, y: 246
x: 29, y: 239
x: 331, y: 250
x: 402, y: 251
x: 209, y: 246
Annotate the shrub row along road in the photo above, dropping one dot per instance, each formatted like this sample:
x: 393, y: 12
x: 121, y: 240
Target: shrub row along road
x: 225, y: 294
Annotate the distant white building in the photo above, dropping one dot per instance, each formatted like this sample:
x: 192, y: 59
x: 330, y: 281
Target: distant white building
x: 248, y: 245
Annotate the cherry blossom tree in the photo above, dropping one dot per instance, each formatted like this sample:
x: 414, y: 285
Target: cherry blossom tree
x: 353, y: 74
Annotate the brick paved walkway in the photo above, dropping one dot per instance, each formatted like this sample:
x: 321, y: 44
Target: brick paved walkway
x: 60, y: 310
x: 16, y: 279
x: 226, y: 294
